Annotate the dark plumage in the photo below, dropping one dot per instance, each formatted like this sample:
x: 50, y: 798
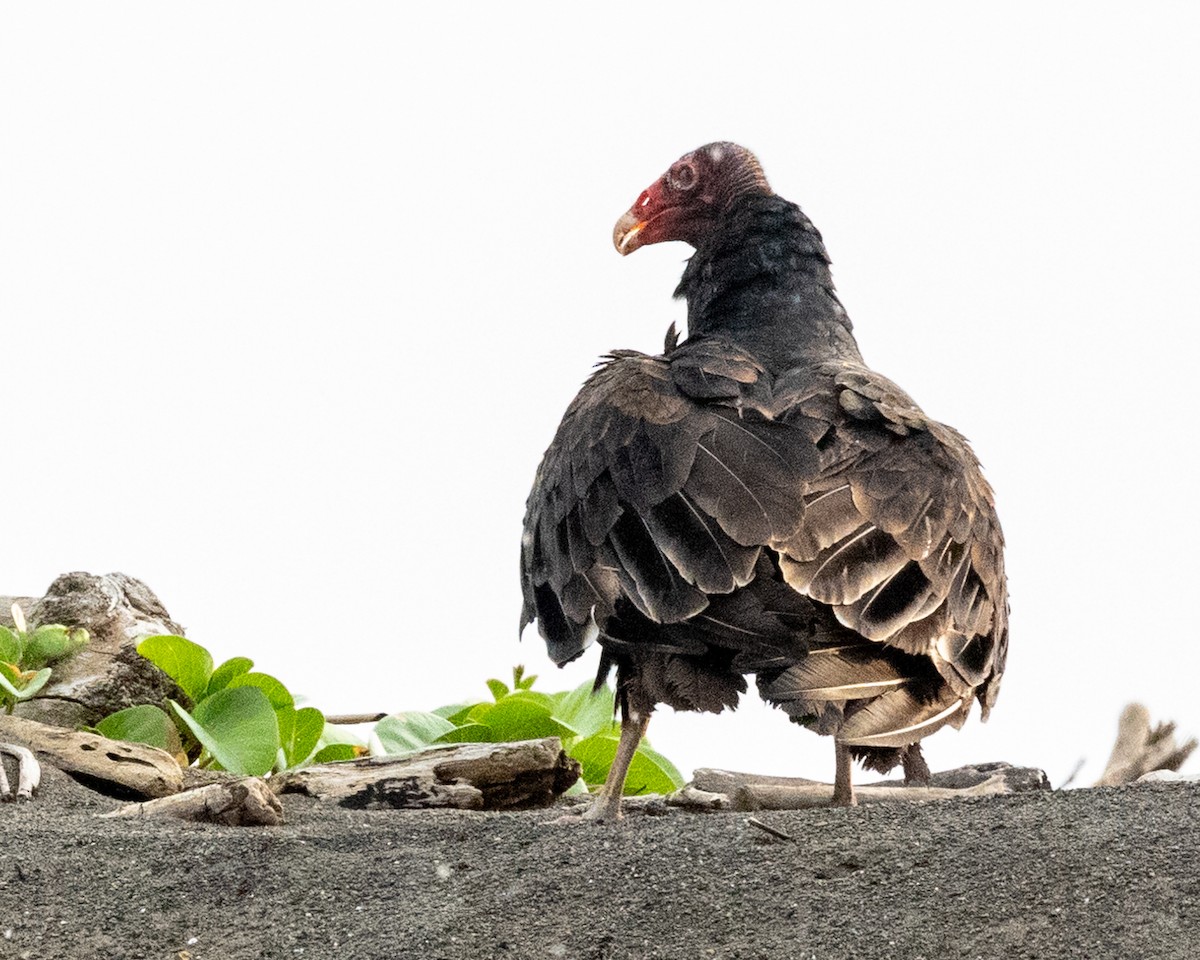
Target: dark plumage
x: 757, y: 500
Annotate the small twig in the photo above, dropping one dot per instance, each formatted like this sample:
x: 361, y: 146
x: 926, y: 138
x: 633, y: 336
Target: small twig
x: 1074, y: 773
x: 348, y: 718
x: 766, y: 828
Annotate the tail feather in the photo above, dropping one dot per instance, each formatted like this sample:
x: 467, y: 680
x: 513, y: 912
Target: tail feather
x: 899, y: 718
x: 844, y: 672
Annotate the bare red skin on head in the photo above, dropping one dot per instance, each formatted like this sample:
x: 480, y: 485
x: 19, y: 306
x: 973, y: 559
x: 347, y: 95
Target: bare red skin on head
x: 685, y: 202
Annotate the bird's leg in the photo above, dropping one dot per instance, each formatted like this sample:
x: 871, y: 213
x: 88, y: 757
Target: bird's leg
x: 843, y: 784
x: 916, y: 770
x: 607, y: 805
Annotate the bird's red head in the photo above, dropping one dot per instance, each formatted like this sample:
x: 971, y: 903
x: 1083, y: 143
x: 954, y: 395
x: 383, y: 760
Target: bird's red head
x: 685, y: 202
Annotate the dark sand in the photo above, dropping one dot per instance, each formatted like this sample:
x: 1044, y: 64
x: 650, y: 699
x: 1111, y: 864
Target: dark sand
x: 1104, y: 874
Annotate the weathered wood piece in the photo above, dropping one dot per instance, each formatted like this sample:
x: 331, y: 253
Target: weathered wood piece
x: 693, y: 798
x: 712, y: 789
x: 107, y: 674
x: 1016, y: 779
x: 245, y: 802
x: 29, y: 772
x: 1141, y: 748
x: 713, y: 780
x: 469, y: 776
x: 805, y: 795
x: 113, y: 767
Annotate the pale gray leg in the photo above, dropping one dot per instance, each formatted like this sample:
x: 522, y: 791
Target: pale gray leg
x: 607, y: 805
x: 843, y: 784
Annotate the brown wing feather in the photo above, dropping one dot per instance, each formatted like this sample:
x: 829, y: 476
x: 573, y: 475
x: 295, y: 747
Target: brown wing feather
x: 900, y: 536
x: 661, y: 487
x: 668, y: 477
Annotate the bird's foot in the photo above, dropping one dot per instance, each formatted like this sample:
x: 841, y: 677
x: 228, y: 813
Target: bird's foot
x: 844, y: 797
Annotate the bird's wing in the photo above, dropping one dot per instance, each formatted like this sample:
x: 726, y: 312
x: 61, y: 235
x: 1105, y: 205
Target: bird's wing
x: 662, y: 486
x: 669, y: 476
x: 899, y: 534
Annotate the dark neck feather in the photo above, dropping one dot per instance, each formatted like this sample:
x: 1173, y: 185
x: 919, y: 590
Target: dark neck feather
x: 761, y: 279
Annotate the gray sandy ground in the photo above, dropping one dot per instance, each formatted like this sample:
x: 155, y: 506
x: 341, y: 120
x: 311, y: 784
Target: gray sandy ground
x: 1104, y: 874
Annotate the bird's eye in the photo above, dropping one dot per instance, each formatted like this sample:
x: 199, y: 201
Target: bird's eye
x: 682, y: 177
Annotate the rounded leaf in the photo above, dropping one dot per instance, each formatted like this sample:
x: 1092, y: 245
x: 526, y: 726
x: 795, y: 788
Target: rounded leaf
x: 523, y: 715
x: 468, y: 733
x: 238, y: 727
x: 21, y: 684
x: 275, y: 691
x: 144, y: 723
x: 586, y: 711
x: 335, y: 752
x: 10, y: 646
x: 498, y: 688
x: 51, y: 642
x: 233, y: 667
x: 649, y: 771
x: 308, y: 724
x: 187, y: 663
x: 406, y: 732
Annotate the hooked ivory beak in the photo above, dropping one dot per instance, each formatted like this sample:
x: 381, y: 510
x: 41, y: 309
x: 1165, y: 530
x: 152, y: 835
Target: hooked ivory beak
x: 625, y: 233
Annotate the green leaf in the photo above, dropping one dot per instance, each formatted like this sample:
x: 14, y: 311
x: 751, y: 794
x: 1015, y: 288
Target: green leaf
x: 234, y: 666
x: 333, y: 733
x: 535, y: 696
x: 585, y: 711
x: 187, y: 663
x: 280, y: 699
x: 144, y: 723
x: 406, y: 732
x: 498, y: 688
x: 19, y: 684
x: 475, y: 714
x: 523, y: 715
x: 51, y: 642
x: 238, y: 727
x: 10, y: 646
x: 520, y: 681
x: 649, y: 771
x: 10, y: 683
x: 452, y: 710
x: 275, y: 691
x: 308, y: 724
x: 467, y: 733
x: 333, y: 752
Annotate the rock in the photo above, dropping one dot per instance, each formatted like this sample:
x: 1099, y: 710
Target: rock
x: 107, y: 675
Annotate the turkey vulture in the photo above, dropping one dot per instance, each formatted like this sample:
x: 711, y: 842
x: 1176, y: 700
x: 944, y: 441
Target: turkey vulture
x: 757, y: 500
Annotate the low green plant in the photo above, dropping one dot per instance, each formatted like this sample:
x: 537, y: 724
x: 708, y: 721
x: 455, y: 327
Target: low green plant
x: 239, y: 720
x: 26, y: 656
x: 581, y: 718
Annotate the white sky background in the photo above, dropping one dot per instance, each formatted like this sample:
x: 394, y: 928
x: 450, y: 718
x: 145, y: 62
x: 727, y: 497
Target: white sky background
x: 293, y: 298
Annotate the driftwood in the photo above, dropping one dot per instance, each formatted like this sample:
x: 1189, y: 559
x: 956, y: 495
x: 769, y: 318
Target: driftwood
x: 1141, y: 749
x: 246, y: 802
x: 727, y: 790
x: 107, y: 674
x: 469, y: 776
x: 114, y: 767
x: 29, y: 772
